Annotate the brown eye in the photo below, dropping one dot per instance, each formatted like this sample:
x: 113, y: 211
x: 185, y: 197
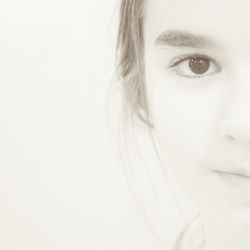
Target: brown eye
x: 199, y: 65
x: 195, y: 66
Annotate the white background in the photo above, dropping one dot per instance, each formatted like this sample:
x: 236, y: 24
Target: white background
x: 60, y: 186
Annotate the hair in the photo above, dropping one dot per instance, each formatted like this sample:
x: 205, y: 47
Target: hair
x: 131, y: 75
x: 130, y: 52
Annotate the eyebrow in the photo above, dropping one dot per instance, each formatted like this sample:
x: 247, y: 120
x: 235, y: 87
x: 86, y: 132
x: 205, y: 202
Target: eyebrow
x: 184, y: 39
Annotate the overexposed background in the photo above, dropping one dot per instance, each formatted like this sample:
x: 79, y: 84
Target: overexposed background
x: 61, y: 188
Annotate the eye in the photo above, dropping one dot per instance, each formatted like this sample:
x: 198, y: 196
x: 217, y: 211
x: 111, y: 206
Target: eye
x: 195, y: 66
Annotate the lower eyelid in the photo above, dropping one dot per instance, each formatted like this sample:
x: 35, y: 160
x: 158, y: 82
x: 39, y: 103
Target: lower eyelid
x: 187, y: 77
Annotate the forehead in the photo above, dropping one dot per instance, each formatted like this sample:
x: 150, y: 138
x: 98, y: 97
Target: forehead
x: 225, y: 20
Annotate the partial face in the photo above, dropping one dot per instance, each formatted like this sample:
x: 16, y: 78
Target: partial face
x: 197, y: 59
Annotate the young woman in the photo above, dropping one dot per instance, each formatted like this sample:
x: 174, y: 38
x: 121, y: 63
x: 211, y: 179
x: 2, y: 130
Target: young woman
x: 185, y: 73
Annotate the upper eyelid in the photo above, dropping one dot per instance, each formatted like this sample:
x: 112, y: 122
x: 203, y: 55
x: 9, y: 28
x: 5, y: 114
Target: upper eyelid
x: 183, y: 58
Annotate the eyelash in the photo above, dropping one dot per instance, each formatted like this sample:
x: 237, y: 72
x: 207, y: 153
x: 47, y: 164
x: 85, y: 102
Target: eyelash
x: 178, y: 60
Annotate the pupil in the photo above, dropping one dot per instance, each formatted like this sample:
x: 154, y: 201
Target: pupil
x: 199, y: 65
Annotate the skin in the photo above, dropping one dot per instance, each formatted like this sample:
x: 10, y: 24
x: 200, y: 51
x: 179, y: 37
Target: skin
x: 203, y: 121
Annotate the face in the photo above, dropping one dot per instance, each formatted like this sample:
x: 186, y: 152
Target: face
x: 197, y: 60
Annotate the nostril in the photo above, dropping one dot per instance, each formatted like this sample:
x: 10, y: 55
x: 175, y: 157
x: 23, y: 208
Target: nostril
x: 234, y: 131
x: 230, y: 138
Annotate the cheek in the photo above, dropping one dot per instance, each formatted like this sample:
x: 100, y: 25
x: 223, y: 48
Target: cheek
x: 185, y: 125
x: 185, y: 115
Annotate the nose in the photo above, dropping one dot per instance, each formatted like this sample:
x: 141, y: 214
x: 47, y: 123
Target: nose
x: 234, y: 122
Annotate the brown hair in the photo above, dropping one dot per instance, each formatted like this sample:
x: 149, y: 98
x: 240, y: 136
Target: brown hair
x: 130, y: 52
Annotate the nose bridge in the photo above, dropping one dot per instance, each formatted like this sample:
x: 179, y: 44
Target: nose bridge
x: 235, y: 118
